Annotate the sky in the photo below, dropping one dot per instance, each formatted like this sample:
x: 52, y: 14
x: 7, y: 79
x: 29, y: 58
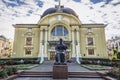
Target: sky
x: 88, y: 11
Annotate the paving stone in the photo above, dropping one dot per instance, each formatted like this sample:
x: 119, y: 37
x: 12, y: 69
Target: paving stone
x: 48, y: 66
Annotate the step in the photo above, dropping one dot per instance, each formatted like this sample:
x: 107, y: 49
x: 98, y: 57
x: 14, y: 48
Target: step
x: 35, y: 76
x: 81, y: 73
x: 83, y: 76
x: 37, y: 73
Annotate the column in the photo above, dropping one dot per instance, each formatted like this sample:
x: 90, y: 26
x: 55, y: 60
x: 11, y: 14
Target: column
x: 78, y: 40
x: 46, y: 35
x: 73, y: 44
x: 40, y: 45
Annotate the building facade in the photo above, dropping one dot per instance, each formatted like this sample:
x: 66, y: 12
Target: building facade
x: 39, y: 40
x: 5, y: 47
x: 113, y: 47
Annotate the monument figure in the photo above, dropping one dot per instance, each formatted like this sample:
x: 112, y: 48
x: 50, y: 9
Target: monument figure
x: 60, y: 53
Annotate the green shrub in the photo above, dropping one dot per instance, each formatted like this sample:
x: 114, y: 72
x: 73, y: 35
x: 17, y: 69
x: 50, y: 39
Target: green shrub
x: 118, y: 55
x: 9, y: 70
x: 14, y: 70
x: 3, y: 73
x: 115, y: 75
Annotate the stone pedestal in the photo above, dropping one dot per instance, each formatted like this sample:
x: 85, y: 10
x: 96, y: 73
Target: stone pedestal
x: 60, y: 72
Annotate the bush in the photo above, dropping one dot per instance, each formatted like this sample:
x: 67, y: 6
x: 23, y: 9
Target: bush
x: 114, y: 72
x: 11, y: 62
x: 3, y: 73
x: 9, y: 71
x: 118, y: 55
x: 14, y: 70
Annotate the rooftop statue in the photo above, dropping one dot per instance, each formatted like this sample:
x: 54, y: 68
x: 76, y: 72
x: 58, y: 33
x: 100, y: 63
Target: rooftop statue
x: 60, y: 53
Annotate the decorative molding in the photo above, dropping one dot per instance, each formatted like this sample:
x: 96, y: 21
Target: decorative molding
x: 44, y: 25
x: 29, y: 34
x: 90, y: 47
x: 29, y: 47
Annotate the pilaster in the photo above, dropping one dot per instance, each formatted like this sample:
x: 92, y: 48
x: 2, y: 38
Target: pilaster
x: 73, y: 44
x: 40, y: 45
x: 46, y: 39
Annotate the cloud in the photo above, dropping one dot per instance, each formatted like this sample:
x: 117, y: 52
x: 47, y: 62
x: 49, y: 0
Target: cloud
x: 89, y: 11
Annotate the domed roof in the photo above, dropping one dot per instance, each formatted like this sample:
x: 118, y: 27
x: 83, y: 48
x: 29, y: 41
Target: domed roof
x: 62, y: 9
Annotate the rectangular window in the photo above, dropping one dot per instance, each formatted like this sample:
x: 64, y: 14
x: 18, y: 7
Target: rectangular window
x: 3, y: 44
x: 91, y: 51
x: 1, y: 51
x: 29, y: 41
x: 28, y: 51
x: 90, y: 41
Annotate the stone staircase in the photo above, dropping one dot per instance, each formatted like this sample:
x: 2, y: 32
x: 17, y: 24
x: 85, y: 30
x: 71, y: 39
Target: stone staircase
x: 70, y: 74
x: 35, y: 74
x: 83, y: 75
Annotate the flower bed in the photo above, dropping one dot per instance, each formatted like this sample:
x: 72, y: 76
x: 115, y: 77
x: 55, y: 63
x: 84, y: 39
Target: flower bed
x: 25, y: 66
x: 95, y: 67
x: 114, y: 72
x: 6, y: 71
x: 115, y: 63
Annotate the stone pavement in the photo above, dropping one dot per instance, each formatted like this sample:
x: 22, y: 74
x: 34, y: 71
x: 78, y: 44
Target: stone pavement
x: 48, y: 66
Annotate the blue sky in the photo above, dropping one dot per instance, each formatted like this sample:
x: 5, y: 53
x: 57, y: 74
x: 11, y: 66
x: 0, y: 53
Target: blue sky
x: 89, y: 11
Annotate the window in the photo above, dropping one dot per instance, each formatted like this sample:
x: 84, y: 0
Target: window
x: 59, y: 31
x: 65, y: 31
x: 91, y: 51
x: 1, y: 51
x: 29, y: 41
x: 3, y: 44
x: 53, y: 32
x: 28, y: 51
x: 90, y: 41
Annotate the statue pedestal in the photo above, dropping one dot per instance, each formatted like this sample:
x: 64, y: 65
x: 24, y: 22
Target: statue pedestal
x: 60, y: 72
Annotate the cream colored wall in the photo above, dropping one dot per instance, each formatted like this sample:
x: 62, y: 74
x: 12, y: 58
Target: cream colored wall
x: 71, y: 23
x: 100, y: 49
x: 19, y: 42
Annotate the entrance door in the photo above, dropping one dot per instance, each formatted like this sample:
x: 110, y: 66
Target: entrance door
x: 52, y: 55
x: 67, y: 56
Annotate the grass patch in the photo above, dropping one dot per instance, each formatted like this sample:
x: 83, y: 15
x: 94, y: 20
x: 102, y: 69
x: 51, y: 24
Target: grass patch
x: 95, y: 67
x: 25, y: 66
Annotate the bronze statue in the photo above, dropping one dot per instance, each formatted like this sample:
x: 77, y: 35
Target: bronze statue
x: 60, y: 53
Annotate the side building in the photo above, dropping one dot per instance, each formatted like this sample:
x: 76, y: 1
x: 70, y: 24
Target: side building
x: 113, y: 47
x: 5, y: 47
x: 39, y: 40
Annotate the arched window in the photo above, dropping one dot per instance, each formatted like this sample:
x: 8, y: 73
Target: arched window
x: 59, y: 31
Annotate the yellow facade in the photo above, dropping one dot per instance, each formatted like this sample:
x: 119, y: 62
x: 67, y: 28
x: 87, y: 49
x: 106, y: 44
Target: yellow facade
x: 39, y: 40
x: 5, y: 47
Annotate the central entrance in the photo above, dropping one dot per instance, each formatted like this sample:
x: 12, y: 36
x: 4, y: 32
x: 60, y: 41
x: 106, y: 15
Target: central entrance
x: 53, y: 53
x: 52, y: 50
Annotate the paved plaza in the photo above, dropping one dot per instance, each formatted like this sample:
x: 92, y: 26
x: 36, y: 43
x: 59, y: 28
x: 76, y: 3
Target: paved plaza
x: 48, y: 66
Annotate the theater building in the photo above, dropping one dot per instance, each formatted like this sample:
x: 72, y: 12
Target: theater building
x: 39, y: 40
